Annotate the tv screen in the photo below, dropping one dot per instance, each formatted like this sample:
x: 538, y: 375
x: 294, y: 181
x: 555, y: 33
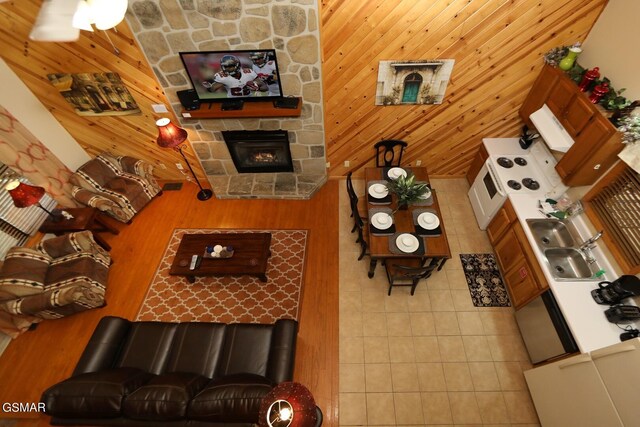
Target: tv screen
x: 250, y: 75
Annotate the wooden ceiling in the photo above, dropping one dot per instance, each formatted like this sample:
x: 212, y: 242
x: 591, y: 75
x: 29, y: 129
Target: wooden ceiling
x: 497, y: 45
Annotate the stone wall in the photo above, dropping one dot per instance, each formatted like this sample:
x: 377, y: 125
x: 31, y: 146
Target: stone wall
x: 164, y: 28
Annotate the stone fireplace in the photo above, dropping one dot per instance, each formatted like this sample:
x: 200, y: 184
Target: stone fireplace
x: 259, y: 151
x: 163, y: 28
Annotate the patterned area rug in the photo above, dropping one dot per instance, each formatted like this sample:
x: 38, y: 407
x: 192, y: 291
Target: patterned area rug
x: 484, y: 280
x: 230, y: 299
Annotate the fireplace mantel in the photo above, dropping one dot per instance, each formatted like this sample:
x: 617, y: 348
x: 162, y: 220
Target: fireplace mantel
x: 250, y: 109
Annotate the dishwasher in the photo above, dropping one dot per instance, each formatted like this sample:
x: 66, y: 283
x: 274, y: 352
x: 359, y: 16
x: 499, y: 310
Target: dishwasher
x: 544, y: 331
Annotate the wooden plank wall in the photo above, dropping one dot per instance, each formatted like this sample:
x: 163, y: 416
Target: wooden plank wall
x: 133, y: 135
x: 497, y: 45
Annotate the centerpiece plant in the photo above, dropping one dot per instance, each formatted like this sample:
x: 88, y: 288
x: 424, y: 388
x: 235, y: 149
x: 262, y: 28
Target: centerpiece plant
x: 407, y: 190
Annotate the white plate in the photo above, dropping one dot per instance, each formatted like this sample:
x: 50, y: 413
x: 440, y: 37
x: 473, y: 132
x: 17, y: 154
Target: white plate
x: 381, y: 220
x: 378, y: 191
x: 428, y: 221
x: 395, y: 173
x: 426, y: 195
x: 411, y: 244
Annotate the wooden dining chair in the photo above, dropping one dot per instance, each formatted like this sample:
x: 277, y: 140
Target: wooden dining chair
x: 407, y: 272
x: 354, y: 201
x: 389, y: 152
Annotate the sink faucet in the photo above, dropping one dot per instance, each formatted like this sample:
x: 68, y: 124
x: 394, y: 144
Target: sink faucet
x: 586, y: 247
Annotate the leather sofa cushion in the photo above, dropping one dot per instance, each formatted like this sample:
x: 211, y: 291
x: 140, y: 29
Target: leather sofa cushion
x: 233, y: 398
x: 164, y: 398
x: 95, y: 394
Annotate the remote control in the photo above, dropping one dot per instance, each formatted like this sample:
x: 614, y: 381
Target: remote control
x: 194, y: 262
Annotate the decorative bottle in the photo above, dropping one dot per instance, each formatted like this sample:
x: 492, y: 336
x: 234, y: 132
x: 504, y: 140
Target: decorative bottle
x: 589, y: 78
x: 567, y: 62
x: 598, y: 92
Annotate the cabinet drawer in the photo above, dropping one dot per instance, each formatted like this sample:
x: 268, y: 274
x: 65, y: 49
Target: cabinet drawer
x: 498, y: 225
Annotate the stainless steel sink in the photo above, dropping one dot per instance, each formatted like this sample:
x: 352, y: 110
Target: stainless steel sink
x: 564, y: 260
x: 568, y: 264
x: 551, y: 233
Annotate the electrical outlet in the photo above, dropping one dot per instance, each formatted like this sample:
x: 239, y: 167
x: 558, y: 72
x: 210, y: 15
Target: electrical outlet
x: 162, y: 166
x: 418, y: 162
x: 347, y: 163
x: 179, y: 166
x: 328, y: 165
x: 159, y: 108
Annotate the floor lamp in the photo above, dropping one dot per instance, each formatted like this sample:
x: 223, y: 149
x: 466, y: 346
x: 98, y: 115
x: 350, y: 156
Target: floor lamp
x: 25, y: 195
x: 172, y: 136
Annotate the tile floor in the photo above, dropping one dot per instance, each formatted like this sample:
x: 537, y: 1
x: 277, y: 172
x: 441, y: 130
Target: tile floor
x: 432, y: 358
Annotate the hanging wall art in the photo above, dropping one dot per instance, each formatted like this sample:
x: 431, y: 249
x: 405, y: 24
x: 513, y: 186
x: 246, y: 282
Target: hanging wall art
x: 422, y: 81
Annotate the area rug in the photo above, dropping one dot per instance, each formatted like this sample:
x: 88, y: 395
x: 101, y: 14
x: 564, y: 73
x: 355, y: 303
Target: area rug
x: 230, y: 299
x: 484, y: 280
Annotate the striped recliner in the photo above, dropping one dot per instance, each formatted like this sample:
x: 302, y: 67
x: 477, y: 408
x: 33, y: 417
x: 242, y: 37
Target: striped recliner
x: 61, y: 276
x: 119, y: 186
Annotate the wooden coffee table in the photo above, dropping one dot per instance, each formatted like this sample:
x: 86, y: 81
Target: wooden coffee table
x: 251, y: 253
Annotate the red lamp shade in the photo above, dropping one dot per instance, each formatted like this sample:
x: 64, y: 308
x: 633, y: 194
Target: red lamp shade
x: 170, y: 135
x: 24, y: 195
x: 288, y: 404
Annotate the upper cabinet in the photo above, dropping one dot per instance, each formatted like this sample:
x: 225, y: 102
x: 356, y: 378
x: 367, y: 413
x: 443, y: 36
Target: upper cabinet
x: 596, y: 140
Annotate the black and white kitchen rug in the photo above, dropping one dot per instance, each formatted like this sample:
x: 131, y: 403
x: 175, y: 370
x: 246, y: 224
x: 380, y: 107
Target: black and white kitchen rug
x: 484, y: 280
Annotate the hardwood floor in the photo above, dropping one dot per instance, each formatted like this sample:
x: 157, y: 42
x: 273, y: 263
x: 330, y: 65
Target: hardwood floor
x: 40, y: 358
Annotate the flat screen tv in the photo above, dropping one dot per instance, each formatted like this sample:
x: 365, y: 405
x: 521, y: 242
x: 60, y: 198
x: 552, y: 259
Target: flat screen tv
x: 248, y: 75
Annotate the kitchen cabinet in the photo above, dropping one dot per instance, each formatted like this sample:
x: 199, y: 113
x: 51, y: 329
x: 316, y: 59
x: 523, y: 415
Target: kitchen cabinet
x: 477, y: 164
x: 596, y: 389
x: 520, y: 270
x: 596, y: 141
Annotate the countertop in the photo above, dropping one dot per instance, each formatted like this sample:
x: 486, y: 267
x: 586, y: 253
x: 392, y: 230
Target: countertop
x: 585, y: 318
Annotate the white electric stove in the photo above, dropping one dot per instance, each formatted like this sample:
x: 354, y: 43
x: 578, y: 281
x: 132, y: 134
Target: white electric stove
x: 510, y: 169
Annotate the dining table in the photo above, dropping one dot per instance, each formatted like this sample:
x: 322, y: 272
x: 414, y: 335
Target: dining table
x: 385, y: 242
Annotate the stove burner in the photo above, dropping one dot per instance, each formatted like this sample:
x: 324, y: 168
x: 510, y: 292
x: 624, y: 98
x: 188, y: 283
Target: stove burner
x: 520, y: 161
x: 505, y: 163
x: 514, y: 184
x: 531, y: 184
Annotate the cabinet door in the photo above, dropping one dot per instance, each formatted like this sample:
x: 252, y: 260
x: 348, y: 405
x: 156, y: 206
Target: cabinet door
x: 508, y: 251
x: 560, y: 97
x: 592, y: 153
x: 578, y: 113
x: 498, y: 225
x: 534, y: 265
x: 619, y: 368
x: 539, y: 92
x: 570, y: 393
x: 521, y: 283
x: 477, y: 164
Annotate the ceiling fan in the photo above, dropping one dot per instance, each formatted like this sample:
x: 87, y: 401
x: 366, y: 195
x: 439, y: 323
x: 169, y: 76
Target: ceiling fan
x: 62, y: 20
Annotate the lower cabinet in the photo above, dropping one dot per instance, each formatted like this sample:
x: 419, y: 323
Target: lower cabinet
x: 593, y: 389
x: 520, y: 270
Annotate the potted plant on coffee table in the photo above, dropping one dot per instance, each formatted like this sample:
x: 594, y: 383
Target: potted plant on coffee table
x: 407, y: 190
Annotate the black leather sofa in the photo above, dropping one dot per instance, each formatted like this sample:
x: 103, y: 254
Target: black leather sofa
x: 174, y: 374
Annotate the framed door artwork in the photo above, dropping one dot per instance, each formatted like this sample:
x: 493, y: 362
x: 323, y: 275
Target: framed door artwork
x: 95, y: 94
x: 413, y: 82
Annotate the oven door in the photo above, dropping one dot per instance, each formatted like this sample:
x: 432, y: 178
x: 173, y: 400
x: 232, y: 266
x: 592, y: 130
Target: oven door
x: 486, y: 195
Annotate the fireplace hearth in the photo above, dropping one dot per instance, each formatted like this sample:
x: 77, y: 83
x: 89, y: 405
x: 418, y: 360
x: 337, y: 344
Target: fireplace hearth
x: 259, y: 151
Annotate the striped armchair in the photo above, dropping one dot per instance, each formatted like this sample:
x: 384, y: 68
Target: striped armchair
x: 61, y: 276
x: 119, y: 186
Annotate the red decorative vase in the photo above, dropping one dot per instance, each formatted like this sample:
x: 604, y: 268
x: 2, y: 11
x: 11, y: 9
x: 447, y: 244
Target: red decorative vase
x: 588, y: 78
x: 598, y: 92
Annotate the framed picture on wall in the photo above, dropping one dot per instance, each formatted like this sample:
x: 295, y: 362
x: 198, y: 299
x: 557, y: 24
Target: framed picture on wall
x: 421, y: 81
x: 95, y: 94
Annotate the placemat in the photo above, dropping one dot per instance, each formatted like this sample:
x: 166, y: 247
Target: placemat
x: 374, y: 200
x: 376, y: 231
x: 423, y: 231
x: 422, y: 245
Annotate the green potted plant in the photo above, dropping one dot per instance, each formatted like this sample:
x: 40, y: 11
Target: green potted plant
x: 407, y: 190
